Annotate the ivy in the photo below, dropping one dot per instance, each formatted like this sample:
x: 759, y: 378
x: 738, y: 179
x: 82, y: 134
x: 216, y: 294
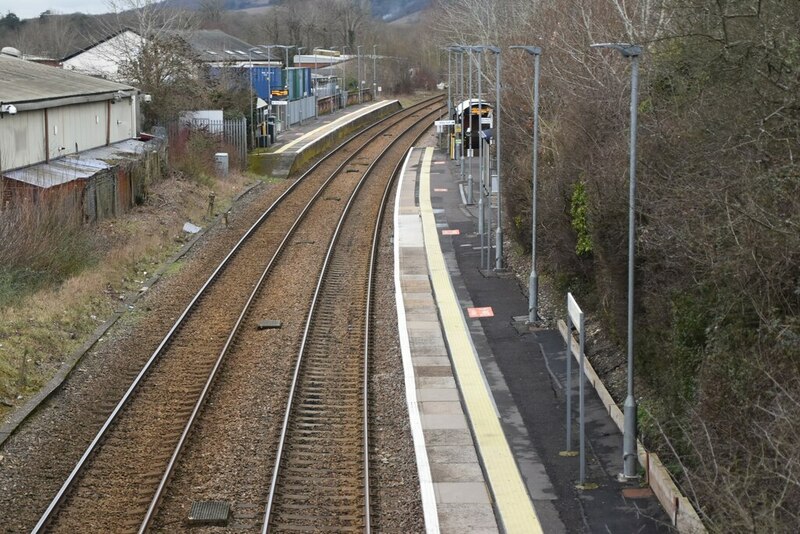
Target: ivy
x: 578, y: 211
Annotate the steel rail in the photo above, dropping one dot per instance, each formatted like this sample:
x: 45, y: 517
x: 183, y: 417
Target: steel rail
x: 65, y: 487
x: 234, y: 332
x: 296, y: 375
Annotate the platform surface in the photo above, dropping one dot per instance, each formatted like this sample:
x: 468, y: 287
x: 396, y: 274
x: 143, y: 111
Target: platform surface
x: 486, y: 400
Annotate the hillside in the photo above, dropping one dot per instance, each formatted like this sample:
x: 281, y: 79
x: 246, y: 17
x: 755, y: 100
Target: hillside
x: 386, y: 10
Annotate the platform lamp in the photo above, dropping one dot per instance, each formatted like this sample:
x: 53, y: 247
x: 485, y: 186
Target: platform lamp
x: 499, y: 236
x: 358, y: 64
x: 629, y: 456
x: 374, y: 79
x: 533, y: 282
x: 344, y: 75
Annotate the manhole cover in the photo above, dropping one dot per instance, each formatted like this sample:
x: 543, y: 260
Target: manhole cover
x: 209, y: 513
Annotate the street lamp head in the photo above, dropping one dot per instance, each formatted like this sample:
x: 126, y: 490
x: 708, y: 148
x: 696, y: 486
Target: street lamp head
x: 533, y: 50
x: 492, y: 49
x: 626, y: 49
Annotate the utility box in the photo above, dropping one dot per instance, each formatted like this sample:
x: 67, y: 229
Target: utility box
x: 221, y: 163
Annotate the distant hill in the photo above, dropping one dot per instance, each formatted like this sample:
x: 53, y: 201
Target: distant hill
x: 386, y: 10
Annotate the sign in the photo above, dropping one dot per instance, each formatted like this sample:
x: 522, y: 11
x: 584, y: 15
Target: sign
x: 280, y: 92
x: 575, y: 312
x: 486, y: 120
x: 475, y: 110
x: 445, y: 123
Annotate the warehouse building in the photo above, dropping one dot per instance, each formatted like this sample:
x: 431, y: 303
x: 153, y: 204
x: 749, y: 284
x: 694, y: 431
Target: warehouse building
x: 64, y: 132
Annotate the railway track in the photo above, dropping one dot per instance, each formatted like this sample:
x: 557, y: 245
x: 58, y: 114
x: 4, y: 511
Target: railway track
x: 120, y: 480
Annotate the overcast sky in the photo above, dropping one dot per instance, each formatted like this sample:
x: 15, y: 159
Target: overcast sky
x: 26, y: 9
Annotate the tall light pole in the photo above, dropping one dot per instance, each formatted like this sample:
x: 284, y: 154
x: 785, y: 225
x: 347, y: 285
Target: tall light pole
x: 358, y: 50
x: 344, y: 76
x: 499, y: 237
x: 470, y: 199
x: 374, y: 80
x: 481, y: 155
x: 629, y: 456
x: 533, y: 282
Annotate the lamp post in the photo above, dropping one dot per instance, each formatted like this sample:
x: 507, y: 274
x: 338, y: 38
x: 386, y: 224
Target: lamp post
x: 449, y: 66
x: 499, y: 236
x: 629, y: 456
x: 358, y: 50
x: 469, y: 50
x: 286, y: 76
x: 481, y: 155
x: 374, y: 79
x: 533, y: 282
x: 250, y: 59
x: 344, y: 76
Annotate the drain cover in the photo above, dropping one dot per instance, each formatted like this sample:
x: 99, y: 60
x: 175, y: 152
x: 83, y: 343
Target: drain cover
x: 209, y: 513
x: 269, y: 323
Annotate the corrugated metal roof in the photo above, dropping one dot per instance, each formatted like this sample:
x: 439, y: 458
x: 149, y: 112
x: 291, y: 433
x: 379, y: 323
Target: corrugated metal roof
x: 25, y: 81
x: 76, y: 166
x: 216, y: 45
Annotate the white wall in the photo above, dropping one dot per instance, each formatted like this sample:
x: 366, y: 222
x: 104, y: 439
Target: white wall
x: 22, y: 136
x: 104, y: 59
x: 21, y: 139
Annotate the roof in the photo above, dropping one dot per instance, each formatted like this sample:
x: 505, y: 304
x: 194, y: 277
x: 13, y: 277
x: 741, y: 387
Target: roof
x: 27, y: 82
x: 76, y: 166
x: 96, y: 43
x: 216, y: 45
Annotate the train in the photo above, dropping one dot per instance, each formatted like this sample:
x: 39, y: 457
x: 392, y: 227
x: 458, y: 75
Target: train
x: 469, y: 114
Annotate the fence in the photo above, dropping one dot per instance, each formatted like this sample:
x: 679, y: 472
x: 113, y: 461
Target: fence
x: 302, y: 109
x: 231, y: 132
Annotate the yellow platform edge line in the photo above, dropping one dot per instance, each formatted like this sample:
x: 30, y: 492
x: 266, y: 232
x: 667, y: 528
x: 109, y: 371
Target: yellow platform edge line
x: 511, y: 496
x: 333, y: 124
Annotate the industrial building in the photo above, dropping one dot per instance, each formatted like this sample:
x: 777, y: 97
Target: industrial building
x: 65, y: 132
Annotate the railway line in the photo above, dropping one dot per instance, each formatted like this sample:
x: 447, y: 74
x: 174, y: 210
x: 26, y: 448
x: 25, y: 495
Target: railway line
x: 202, y: 412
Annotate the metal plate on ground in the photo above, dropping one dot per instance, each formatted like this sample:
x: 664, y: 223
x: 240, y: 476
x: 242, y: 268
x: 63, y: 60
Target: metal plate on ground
x: 209, y: 513
x: 269, y: 323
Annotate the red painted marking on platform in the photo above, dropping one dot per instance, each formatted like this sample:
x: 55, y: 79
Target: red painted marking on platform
x: 439, y: 190
x: 476, y: 313
x: 451, y: 232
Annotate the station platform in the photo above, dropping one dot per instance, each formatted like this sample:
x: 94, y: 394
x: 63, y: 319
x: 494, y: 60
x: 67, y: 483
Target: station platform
x: 486, y: 400
x: 295, y: 147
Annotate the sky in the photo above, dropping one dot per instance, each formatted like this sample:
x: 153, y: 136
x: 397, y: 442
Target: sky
x: 27, y: 9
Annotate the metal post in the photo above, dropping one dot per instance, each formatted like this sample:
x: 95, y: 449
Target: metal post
x: 469, y: 150
x: 461, y: 121
x: 581, y: 411
x: 533, y: 282
x: 481, y: 182
x: 629, y: 455
x: 499, y: 238
x: 568, y: 391
x: 360, y: 96
x: 374, y: 79
x: 449, y: 93
x: 344, y: 75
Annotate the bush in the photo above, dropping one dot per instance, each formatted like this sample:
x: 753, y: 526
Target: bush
x: 41, y: 244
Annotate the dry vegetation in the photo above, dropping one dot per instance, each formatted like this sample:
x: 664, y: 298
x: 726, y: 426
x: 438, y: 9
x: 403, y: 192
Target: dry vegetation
x: 718, y: 247
x: 60, y: 280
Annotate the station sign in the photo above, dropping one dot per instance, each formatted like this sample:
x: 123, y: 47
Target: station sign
x: 445, y: 123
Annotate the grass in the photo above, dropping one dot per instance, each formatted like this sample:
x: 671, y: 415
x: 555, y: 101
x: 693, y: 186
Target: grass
x: 48, y: 312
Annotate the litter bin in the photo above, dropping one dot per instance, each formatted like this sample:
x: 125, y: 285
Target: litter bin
x: 271, y: 129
